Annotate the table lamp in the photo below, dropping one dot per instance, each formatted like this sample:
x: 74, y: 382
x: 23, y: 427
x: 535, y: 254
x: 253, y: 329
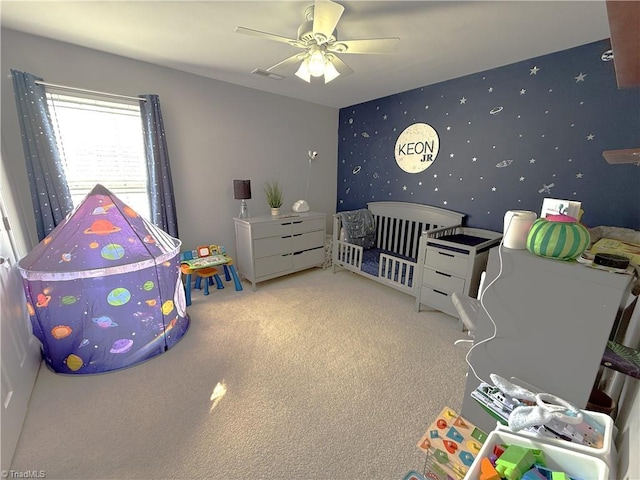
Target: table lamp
x: 242, y: 191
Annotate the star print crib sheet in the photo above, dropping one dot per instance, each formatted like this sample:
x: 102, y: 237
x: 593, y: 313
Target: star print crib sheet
x: 103, y: 289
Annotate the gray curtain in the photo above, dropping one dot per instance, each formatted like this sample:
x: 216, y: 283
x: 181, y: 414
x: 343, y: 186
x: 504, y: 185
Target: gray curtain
x: 49, y: 190
x: 163, y: 209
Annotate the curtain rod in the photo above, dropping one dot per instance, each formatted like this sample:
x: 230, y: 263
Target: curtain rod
x: 84, y: 90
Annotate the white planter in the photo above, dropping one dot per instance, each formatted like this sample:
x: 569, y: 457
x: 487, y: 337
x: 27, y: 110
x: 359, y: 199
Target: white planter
x: 275, y: 212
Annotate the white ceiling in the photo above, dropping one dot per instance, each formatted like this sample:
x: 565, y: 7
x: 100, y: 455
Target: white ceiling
x: 438, y: 40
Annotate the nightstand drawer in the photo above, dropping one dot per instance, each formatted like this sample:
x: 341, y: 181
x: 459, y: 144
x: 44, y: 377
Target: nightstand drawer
x: 438, y: 299
x: 271, y: 265
x: 443, y: 281
x: 446, y: 261
x: 265, y: 247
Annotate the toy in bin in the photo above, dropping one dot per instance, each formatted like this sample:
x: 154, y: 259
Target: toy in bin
x: 515, y: 462
x: 522, y: 409
x: 509, y: 456
x: 451, y: 444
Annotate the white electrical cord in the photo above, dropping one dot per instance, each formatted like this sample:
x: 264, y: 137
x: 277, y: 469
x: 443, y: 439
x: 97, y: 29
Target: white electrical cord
x: 495, y: 327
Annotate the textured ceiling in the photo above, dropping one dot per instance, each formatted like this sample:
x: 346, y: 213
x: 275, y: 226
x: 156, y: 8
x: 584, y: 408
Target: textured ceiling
x: 439, y: 40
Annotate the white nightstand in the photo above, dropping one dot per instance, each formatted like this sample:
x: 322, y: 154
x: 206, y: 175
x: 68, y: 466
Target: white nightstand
x: 451, y: 260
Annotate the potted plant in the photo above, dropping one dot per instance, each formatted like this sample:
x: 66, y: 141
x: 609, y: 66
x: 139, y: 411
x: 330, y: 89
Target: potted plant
x: 273, y: 192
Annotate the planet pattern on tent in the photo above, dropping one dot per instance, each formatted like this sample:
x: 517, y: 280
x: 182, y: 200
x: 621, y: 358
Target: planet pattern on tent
x: 101, y: 289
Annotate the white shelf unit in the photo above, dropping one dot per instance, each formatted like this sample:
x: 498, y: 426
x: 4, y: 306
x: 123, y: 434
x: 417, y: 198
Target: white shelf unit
x: 451, y: 260
x: 268, y: 247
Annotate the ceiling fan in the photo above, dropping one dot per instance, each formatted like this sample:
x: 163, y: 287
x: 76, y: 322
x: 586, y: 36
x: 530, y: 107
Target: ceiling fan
x: 317, y: 36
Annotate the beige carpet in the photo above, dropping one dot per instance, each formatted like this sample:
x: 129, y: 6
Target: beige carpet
x: 327, y: 376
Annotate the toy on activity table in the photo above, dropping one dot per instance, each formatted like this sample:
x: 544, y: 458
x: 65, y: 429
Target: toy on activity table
x: 202, y: 262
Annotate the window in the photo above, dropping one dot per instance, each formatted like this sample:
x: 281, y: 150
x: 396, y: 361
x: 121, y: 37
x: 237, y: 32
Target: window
x: 101, y: 141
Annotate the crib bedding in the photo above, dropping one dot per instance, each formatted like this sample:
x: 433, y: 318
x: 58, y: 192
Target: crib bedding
x: 371, y: 265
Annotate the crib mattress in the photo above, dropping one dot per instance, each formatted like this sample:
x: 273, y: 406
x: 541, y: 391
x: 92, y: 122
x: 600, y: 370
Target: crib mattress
x: 371, y: 262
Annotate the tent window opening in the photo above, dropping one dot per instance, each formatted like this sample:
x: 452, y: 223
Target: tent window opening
x: 101, y: 141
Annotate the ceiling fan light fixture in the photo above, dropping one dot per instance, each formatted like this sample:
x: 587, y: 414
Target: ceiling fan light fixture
x: 303, y: 71
x: 316, y: 63
x: 330, y: 72
x: 339, y: 47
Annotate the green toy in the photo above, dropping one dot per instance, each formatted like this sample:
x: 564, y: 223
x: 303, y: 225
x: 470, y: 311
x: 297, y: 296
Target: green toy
x: 515, y: 462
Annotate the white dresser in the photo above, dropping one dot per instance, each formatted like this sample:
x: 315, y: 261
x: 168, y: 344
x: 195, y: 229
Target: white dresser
x: 451, y: 260
x: 269, y: 247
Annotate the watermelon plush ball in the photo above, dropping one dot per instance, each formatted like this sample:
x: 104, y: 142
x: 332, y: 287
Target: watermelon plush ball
x: 558, y: 236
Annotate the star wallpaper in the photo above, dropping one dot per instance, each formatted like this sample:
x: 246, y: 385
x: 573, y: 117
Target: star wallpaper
x: 506, y: 139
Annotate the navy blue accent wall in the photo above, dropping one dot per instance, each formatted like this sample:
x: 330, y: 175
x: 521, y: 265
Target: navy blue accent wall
x: 509, y: 137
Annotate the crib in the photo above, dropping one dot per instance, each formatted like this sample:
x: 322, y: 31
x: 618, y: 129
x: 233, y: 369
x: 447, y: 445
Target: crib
x: 398, y: 226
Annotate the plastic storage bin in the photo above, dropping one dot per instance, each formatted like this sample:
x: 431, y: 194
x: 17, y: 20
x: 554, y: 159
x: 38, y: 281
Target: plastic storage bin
x: 573, y: 463
x: 607, y: 453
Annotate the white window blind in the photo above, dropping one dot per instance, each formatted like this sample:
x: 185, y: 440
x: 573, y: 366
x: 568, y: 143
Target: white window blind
x: 101, y: 141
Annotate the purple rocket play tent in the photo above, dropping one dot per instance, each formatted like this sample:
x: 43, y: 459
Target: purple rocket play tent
x: 104, y: 289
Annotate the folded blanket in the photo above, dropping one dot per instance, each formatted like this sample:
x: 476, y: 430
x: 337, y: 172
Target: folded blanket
x: 359, y: 227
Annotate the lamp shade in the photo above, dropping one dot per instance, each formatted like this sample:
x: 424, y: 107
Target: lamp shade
x: 241, y: 189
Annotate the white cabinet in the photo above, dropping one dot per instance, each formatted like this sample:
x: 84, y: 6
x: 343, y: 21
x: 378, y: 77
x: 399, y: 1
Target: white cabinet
x: 553, y: 319
x: 451, y: 260
x: 269, y: 247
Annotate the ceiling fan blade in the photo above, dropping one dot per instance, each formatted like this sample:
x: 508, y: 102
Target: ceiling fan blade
x: 269, y: 36
x: 343, y: 68
x: 326, y: 15
x: 371, y: 45
x: 286, y: 64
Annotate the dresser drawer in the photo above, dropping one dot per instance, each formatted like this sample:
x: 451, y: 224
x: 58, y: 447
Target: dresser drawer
x: 308, y: 258
x: 271, y: 229
x: 306, y: 241
x: 265, y: 247
x: 442, y: 281
x: 272, y: 265
x: 302, y: 226
x: 446, y: 261
x: 438, y: 299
